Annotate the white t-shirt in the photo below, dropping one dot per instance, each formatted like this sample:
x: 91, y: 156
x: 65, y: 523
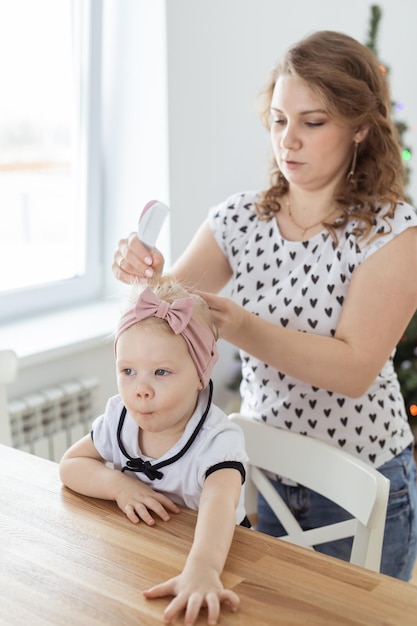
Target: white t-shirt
x: 210, y: 441
x: 302, y: 285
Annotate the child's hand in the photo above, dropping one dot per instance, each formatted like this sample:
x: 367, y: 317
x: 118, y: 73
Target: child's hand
x: 136, y: 499
x: 196, y: 587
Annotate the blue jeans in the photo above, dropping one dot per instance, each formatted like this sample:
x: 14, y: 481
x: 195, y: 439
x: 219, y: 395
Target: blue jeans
x: 399, y: 550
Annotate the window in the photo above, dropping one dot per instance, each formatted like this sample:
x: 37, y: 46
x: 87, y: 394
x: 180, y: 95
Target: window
x: 50, y: 65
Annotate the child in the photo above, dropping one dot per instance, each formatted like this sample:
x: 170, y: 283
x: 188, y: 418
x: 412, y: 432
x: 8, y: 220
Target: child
x: 168, y: 445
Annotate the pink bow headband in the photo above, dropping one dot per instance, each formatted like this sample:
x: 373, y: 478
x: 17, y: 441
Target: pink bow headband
x: 200, y: 340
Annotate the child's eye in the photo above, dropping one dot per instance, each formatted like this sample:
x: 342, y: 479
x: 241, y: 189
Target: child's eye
x: 128, y: 371
x: 161, y: 372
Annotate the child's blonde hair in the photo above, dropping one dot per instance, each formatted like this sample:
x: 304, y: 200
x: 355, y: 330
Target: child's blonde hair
x: 169, y: 289
x: 165, y: 304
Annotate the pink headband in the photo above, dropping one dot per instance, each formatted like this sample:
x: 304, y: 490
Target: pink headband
x: 198, y: 337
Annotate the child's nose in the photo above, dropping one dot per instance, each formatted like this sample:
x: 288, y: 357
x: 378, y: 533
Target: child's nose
x: 144, y: 390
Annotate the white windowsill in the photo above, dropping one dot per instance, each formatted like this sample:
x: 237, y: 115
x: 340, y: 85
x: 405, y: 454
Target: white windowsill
x: 43, y: 338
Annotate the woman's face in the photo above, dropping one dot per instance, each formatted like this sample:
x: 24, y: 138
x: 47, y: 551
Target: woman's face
x: 312, y: 149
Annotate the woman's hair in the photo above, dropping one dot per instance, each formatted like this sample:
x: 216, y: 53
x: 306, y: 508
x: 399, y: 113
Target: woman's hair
x: 168, y: 288
x: 347, y: 78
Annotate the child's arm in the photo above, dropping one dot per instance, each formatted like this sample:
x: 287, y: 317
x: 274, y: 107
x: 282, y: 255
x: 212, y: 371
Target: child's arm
x: 199, y: 583
x: 82, y: 469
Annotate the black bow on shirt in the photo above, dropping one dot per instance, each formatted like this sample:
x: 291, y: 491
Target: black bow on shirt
x: 152, y: 471
x: 138, y: 465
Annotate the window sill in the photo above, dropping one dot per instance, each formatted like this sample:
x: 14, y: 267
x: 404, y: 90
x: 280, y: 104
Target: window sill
x: 43, y: 338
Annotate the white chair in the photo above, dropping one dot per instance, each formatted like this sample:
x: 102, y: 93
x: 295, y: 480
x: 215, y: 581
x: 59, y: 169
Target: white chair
x: 8, y: 371
x: 361, y: 490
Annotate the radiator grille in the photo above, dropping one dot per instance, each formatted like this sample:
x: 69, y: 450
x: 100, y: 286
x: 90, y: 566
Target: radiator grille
x: 47, y: 422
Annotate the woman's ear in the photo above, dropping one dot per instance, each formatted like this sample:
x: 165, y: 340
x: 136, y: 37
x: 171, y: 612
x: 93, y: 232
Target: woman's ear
x: 361, y: 134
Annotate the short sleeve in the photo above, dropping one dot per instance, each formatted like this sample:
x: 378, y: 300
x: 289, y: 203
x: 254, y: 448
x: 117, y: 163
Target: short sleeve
x: 104, y: 431
x: 221, y: 444
x: 387, y: 228
x: 230, y: 221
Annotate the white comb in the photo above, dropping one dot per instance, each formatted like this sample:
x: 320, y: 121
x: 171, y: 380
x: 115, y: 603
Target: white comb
x: 150, y: 222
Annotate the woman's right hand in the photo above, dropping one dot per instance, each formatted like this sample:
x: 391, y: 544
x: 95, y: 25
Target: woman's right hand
x: 133, y: 260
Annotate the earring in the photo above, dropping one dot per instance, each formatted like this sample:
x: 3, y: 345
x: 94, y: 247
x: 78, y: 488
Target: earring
x: 353, y: 166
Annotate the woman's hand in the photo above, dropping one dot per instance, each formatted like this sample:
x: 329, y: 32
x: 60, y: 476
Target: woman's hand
x: 136, y: 500
x: 227, y: 316
x: 133, y: 260
x: 196, y: 587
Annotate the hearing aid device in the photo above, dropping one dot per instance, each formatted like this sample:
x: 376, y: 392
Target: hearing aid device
x: 150, y: 222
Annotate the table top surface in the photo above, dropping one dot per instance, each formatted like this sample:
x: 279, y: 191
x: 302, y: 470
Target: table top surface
x: 69, y: 559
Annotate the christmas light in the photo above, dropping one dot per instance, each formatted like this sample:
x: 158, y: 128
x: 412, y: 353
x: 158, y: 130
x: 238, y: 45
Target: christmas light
x: 413, y: 409
x: 406, y: 155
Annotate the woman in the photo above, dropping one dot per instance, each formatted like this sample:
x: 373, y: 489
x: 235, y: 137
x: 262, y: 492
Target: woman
x: 320, y: 265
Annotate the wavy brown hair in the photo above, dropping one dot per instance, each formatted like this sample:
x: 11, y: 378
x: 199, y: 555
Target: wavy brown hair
x: 353, y: 88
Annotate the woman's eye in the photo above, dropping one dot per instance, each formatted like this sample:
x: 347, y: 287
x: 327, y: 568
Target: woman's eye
x: 313, y: 124
x: 278, y: 121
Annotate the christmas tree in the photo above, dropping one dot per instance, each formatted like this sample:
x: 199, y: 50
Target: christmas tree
x: 405, y: 360
x: 402, y: 127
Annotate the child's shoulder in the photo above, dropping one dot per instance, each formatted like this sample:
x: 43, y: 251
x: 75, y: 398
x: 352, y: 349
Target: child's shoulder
x: 217, y: 421
x: 114, y: 407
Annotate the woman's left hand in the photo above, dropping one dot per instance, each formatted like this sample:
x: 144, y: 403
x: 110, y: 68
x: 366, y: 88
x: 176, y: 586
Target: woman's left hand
x: 227, y: 316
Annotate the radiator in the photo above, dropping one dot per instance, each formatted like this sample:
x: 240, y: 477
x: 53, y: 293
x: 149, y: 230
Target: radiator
x: 47, y: 422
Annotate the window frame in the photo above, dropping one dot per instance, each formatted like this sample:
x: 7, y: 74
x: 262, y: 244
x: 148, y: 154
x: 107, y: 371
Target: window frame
x: 35, y: 300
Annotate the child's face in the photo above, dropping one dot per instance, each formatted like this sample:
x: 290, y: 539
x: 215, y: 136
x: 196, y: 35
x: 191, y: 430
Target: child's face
x: 156, y: 378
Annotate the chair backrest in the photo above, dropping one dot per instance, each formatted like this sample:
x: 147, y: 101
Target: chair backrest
x: 8, y: 370
x: 361, y: 490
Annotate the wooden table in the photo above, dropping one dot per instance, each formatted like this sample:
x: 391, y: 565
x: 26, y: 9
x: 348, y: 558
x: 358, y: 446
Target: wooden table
x: 67, y: 559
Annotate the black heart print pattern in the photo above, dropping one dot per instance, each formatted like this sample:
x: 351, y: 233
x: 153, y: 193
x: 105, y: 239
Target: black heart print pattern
x: 302, y: 286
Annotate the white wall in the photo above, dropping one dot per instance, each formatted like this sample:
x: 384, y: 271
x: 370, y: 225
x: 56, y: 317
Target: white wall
x: 211, y: 57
